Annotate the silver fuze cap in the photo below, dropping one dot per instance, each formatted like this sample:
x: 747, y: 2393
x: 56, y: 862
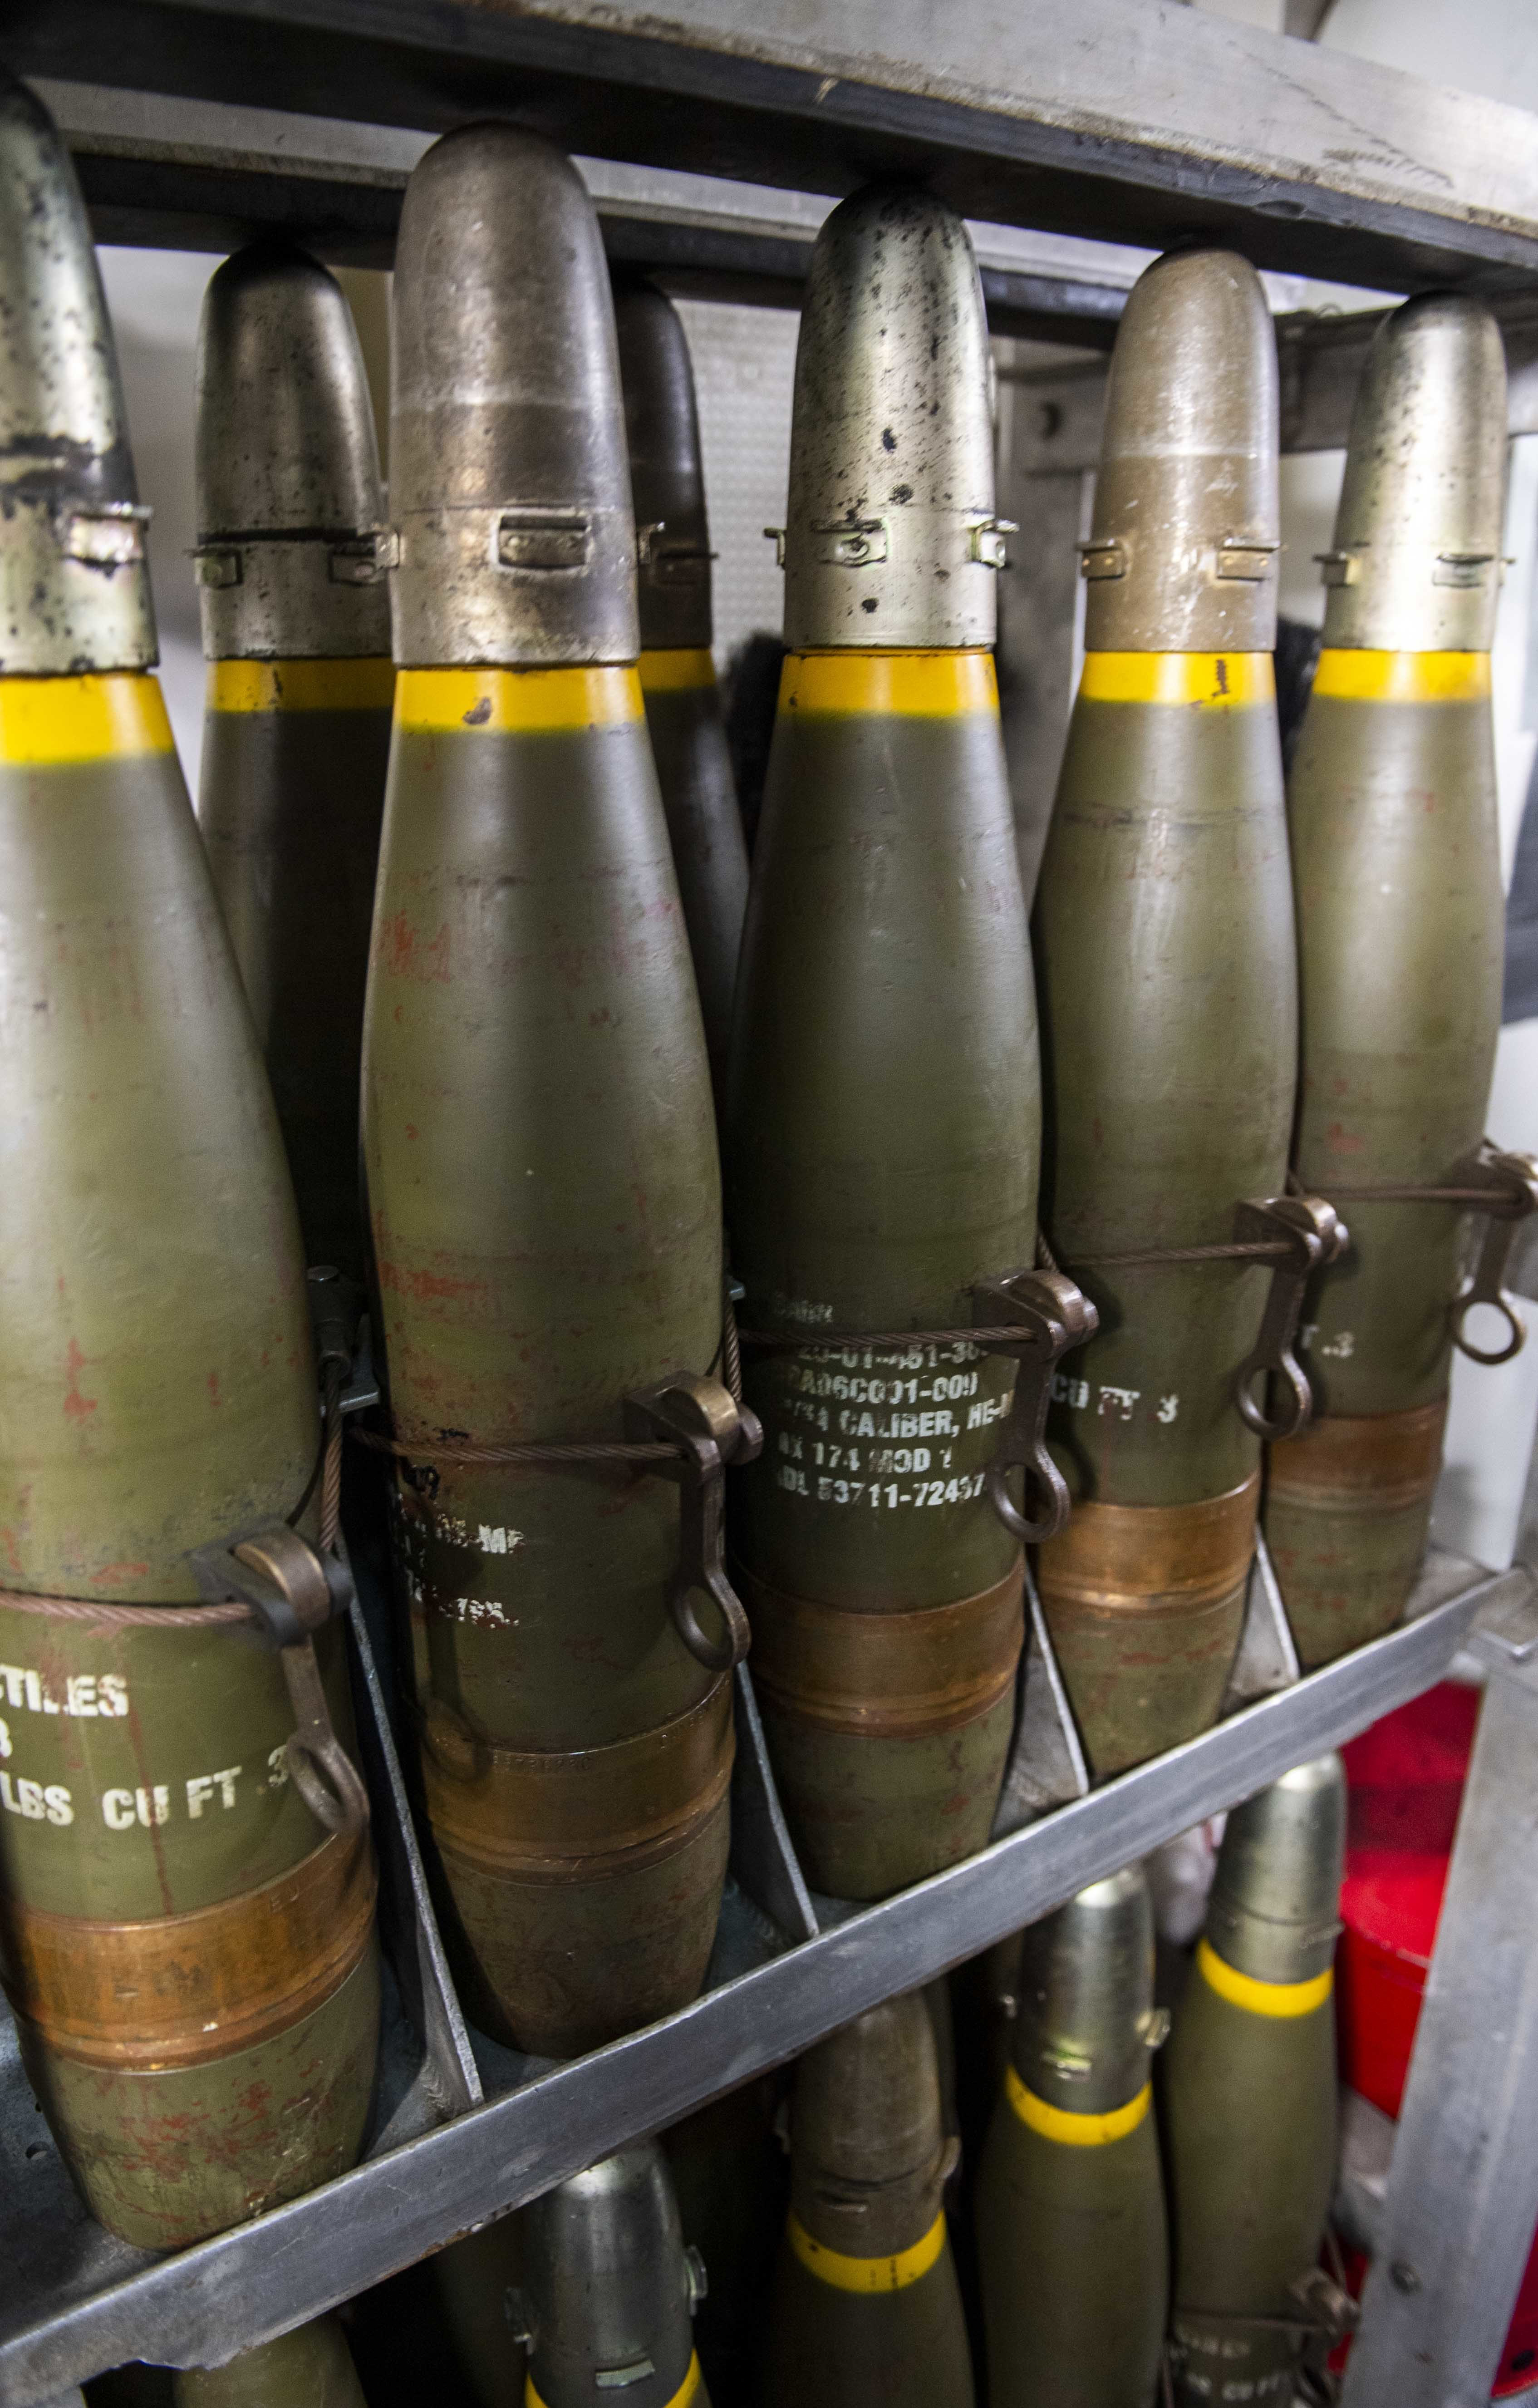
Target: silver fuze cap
x: 891, y: 538
x: 513, y: 539
x: 1182, y: 556
x: 1415, y: 564
x: 74, y: 584
x: 287, y: 466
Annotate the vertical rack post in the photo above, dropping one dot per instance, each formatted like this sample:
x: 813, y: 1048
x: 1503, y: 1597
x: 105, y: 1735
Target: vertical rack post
x: 1461, y: 2198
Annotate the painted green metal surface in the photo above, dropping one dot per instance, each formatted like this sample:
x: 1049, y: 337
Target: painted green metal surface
x: 709, y: 853
x: 1074, y: 2267
x: 156, y: 1382
x: 882, y: 1147
x: 828, y: 2348
x: 541, y: 1167
x: 1396, y: 861
x: 156, y: 1392
x: 311, y: 2368
x: 1165, y: 951
x: 1249, y: 2107
x: 290, y: 809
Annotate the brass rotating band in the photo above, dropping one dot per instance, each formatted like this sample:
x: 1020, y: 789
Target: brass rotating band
x: 539, y: 1813
x: 1360, y: 1463
x: 183, y: 1989
x: 885, y: 1675
x: 1153, y: 1558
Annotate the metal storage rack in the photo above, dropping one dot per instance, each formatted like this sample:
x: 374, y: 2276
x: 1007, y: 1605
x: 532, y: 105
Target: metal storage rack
x: 708, y: 124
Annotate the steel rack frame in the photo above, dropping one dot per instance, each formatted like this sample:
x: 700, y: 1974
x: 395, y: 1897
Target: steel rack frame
x: 204, y: 122
x: 467, y: 2131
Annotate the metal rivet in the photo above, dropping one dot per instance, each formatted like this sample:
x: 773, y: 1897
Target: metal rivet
x: 1404, y: 2276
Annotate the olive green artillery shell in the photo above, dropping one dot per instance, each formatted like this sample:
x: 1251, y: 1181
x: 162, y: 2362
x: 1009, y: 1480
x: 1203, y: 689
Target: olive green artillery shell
x: 1249, y: 2111
x: 289, y: 804
x: 311, y: 2368
x: 1165, y: 953
x: 541, y: 1171
x: 1074, y: 2267
x: 1348, y: 1512
x: 826, y: 2347
x: 882, y: 1150
x: 709, y: 851
x: 164, y: 2159
x: 156, y: 1392
x: 156, y: 1380
x: 1145, y: 1605
x: 145, y: 1798
x: 1396, y: 864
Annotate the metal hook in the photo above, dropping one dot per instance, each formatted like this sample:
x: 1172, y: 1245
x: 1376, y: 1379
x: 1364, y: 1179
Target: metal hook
x: 1315, y: 1234
x: 295, y: 1589
x: 1513, y: 1182
x: 710, y: 1430
x: 1059, y: 1317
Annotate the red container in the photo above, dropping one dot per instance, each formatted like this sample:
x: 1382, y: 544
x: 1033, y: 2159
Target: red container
x: 1405, y: 1781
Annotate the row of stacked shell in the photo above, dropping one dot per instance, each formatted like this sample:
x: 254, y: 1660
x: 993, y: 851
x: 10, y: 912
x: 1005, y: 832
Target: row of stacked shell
x: 1112, y: 2244
x: 543, y: 1205
x: 186, y: 1938
x: 1193, y: 1040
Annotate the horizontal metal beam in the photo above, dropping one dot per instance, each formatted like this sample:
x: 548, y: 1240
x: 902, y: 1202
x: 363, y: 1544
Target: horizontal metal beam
x: 199, y: 174
x: 291, y: 2264
x: 1130, y: 120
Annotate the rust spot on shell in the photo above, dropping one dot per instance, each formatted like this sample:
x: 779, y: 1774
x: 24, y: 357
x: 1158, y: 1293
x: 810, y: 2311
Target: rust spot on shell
x: 79, y: 1408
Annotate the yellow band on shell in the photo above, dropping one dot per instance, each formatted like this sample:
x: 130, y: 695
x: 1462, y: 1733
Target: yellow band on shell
x: 1075, y: 2130
x: 900, y: 686
x: 521, y: 701
x: 1280, y: 1998
x: 1209, y: 681
x: 680, y: 669
x: 350, y: 684
x: 681, y: 2398
x: 866, y: 2274
x: 46, y: 722
x: 1403, y: 677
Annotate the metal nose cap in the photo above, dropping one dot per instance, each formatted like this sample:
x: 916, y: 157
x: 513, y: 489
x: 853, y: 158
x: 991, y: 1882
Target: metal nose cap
x: 288, y: 465
x: 1187, y: 516
x: 607, y: 2284
x: 1086, y: 2023
x: 1275, y: 1907
x: 74, y: 585
x: 666, y: 476
x: 866, y: 2109
x: 890, y: 537
x: 513, y: 539
x: 1415, y: 562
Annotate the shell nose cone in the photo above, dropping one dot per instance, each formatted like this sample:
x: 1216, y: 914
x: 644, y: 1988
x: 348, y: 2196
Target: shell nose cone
x: 287, y: 466
x: 509, y: 480
x: 1187, y: 515
x: 891, y: 538
x: 607, y: 2278
x: 867, y: 2099
x: 74, y: 589
x: 285, y: 435
x: 667, y: 479
x: 1086, y: 1996
x: 1415, y: 566
x: 1275, y: 1906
